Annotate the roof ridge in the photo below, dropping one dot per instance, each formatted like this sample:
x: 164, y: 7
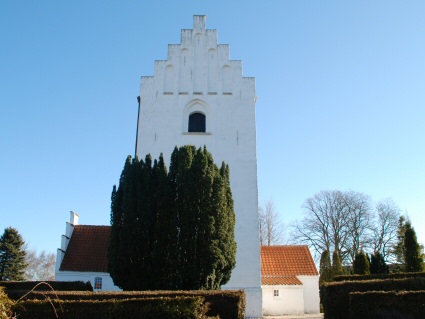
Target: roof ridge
x: 92, y: 226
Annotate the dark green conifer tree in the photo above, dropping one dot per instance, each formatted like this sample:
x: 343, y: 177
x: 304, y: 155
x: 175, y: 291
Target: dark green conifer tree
x: 204, y: 206
x: 361, y: 265
x: 337, y: 269
x: 412, y: 254
x: 172, y: 230
x: 398, y: 249
x: 378, y: 264
x: 226, y: 230
x: 12, y: 256
x: 325, y: 267
x: 164, y: 253
x: 122, y: 211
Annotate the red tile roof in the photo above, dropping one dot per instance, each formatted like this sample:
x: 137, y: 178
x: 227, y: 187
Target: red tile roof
x: 282, y: 280
x: 87, y: 249
x: 284, y: 261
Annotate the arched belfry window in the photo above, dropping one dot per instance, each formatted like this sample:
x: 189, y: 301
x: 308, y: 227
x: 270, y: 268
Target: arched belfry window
x: 197, y: 122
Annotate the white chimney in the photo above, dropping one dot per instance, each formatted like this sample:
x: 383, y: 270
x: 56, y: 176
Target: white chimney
x: 65, y: 239
x: 74, y: 218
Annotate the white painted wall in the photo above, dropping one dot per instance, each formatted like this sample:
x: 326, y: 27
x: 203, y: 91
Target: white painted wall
x: 311, y: 293
x: 198, y: 76
x: 290, y: 300
x: 107, y: 282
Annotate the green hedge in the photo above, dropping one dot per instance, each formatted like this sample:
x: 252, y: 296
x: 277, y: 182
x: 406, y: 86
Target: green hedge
x: 335, y: 296
x: 387, y: 304
x: 400, y: 275
x: 44, y: 285
x: 228, y: 304
x: 148, y: 308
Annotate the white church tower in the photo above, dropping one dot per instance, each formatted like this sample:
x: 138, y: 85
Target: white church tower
x: 198, y: 96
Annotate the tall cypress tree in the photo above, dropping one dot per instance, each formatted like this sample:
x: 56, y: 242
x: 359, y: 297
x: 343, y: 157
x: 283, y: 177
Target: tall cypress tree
x: 361, y: 264
x: 412, y: 254
x: 173, y: 230
x: 336, y: 264
x: 378, y: 264
x: 185, y: 206
x: 398, y: 250
x: 325, y: 267
x: 226, y: 230
x: 164, y: 254
x: 119, y: 253
x: 12, y: 256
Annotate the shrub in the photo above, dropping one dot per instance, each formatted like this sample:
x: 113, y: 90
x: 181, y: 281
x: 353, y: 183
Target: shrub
x: 226, y: 304
x: 46, y: 285
x: 336, y: 269
x: 361, y: 265
x: 389, y: 304
x: 378, y: 264
x: 5, y: 304
x: 335, y: 296
x: 380, y: 276
x: 149, y: 308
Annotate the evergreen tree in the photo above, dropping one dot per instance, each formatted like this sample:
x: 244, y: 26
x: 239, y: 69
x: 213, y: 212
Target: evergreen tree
x: 325, y: 267
x: 336, y: 264
x: 204, y: 206
x: 412, y: 254
x: 361, y: 264
x: 226, y: 229
x: 172, y: 230
x: 118, y: 254
x: 398, y: 250
x: 164, y: 251
x: 378, y: 264
x: 12, y: 256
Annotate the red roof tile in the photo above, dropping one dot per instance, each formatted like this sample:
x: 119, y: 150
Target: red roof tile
x: 87, y: 249
x: 287, y: 261
x: 282, y: 280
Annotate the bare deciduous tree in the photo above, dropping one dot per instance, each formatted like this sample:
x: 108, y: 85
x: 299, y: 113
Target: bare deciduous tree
x: 271, y: 227
x: 324, y: 224
x: 335, y: 221
x: 41, y: 267
x: 360, y: 222
x: 385, y: 230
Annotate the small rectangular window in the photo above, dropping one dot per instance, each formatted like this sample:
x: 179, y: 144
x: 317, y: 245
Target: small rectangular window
x: 98, y: 283
x: 275, y: 293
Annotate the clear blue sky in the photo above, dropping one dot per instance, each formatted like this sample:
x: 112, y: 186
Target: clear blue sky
x: 341, y: 88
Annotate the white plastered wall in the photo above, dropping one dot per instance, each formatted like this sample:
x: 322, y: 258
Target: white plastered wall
x: 289, y: 302
x: 107, y: 282
x: 311, y: 293
x: 199, y: 76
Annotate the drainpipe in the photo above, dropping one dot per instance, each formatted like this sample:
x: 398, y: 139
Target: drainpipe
x: 137, y: 127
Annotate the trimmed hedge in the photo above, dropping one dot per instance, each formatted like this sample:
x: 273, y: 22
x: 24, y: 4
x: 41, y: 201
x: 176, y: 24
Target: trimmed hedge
x: 335, y: 296
x: 380, y: 276
x: 148, y: 308
x: 227, y: 304
x: 56, y: 285
x: 387, y: 304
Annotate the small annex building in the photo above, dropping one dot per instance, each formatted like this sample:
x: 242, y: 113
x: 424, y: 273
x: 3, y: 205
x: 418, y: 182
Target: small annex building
x: 84, y: 255
x: 290, y: 280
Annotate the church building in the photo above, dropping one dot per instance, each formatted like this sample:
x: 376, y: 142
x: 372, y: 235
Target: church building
x: 198, y: 96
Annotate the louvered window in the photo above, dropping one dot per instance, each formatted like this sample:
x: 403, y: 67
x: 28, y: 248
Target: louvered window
x: 197, y: 122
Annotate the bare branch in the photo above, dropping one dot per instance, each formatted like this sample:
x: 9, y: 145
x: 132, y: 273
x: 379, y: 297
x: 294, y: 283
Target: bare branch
x: 271, y: 227
x: 40, y: 267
